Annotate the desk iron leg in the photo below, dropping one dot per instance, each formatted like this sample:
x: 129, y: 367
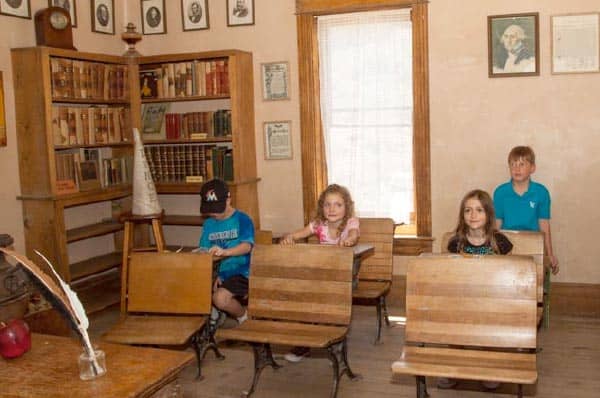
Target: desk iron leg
x: 379, y: 322
x: 421, y: 387
x: 385, y: 311
x: 338, y: 355
x: 262, y: 357
x: 520, y: 390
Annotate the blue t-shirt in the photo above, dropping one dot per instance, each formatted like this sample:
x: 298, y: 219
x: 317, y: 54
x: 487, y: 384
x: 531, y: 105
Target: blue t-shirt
x: 226, y: 234
x: 522, y: 212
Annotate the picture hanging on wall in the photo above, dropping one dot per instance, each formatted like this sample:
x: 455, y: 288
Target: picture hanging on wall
x: 154, y: 17
x: 276, y: 81
x: 575, y: 43
x: 194, y: 14
x: 16, y: 8
x: 513, y: 45
x: 278, y: 140
x: 240, y: 12
x: 103, y: 16
x: 69, y: 6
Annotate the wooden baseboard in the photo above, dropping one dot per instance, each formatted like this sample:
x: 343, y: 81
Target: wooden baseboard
x: 576, y: 299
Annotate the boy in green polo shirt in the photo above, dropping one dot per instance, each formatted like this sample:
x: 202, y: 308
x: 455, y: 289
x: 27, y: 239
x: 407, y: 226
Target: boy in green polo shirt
x: 523, y: 204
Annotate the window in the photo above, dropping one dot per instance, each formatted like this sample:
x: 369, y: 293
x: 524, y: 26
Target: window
x: 314, y: 164
x: 365, y: 69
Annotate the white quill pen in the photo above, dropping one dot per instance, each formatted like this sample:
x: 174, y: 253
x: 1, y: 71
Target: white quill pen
x: 64, y: 297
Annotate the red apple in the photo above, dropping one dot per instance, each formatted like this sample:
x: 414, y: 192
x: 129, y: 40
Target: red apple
x: 15, y: 338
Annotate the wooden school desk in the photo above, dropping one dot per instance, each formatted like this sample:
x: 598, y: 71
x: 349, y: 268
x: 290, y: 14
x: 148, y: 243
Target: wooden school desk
x: 50, y: 369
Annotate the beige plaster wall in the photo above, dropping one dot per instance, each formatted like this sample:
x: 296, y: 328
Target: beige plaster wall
x: 474, y: 120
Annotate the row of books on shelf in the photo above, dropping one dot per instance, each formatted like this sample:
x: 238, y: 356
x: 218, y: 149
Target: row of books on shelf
x: 86, y: 169
x: 189, y: 163
x: 76, y: 125
x: 88, y: 80
x: 185, y: 79
x: 198, y: 125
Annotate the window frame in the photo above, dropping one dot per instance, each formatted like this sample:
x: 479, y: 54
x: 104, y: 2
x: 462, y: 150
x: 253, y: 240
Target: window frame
x: 314, y: 166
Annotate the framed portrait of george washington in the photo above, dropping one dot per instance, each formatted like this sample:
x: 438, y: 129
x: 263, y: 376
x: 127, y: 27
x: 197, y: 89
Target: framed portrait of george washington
x: 513, y: 45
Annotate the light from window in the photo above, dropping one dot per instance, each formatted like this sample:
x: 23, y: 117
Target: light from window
x: 367, y: 107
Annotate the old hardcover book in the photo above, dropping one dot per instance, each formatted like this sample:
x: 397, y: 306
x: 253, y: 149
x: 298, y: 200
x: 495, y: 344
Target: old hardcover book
x: 148, y: 83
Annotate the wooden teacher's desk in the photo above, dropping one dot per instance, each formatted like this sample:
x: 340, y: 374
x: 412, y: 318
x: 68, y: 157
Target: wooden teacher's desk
x: 50, y: 369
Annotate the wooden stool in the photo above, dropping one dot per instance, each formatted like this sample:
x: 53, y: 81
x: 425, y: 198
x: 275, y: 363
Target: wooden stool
x: 130, y: 221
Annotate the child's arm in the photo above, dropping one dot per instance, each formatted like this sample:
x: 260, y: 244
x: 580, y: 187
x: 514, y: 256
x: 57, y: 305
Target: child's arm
x: 290, y: 239
x: 545, y: 228
x: 351, y: 239
x: 238, y: 250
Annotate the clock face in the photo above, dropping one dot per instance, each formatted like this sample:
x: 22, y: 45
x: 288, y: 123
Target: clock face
x: 58, y: 20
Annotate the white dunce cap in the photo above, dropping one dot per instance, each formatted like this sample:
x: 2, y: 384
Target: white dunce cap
x: 145, y: 200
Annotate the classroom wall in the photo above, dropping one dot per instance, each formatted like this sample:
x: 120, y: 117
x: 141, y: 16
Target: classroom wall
x: 475, y: 120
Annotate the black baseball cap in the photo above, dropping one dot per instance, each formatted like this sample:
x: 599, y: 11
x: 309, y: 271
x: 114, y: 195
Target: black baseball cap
x: 213, y: 196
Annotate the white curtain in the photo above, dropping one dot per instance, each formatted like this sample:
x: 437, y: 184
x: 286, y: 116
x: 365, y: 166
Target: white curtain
x: 367, y: 107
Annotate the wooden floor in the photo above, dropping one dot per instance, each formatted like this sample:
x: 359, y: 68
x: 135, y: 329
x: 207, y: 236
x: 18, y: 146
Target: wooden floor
x: 568, y: 365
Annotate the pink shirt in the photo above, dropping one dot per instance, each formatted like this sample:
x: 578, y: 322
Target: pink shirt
x: 321, y: 230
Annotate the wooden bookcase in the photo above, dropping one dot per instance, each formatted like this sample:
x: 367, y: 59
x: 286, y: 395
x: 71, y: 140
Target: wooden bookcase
x: 46, y: 205
x: 239, y: 100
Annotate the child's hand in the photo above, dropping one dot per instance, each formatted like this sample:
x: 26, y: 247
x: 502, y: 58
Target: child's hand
x: 348, y: 242
x: 554, y: 264
x: 287, y: 240
x: 217, y: 251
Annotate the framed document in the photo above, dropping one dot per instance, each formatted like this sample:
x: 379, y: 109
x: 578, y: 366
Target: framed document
x: 575, y: 43
x: 153, y: 116
x: 278, y: 140
x: 276, y: 81
x: 88, y: 175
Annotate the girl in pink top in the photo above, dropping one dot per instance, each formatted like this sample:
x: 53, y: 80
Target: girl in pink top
x: 334, y: 224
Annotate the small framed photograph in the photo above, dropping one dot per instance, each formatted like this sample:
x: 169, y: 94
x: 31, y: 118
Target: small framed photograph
x: 154, y: 17
x: 69, y: 6
x: 240, y: 12
x: 88, y: 175
x: 575, y: 43
x: 16, y: 8
x: 103, y: 16
x: 194, y: 14
x: 276, y: 81
x: 513, y: 45
x: 278, y: 140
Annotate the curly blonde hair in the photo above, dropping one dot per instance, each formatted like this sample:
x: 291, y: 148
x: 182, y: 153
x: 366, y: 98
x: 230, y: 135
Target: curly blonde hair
x: 348, y: 203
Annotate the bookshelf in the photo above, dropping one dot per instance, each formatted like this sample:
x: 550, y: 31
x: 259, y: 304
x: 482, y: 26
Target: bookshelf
x: 212, y: 95
x: 74, y: 118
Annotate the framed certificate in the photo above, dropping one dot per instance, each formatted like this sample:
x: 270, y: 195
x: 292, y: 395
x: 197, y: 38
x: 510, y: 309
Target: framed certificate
x: 278, y: 140
x: 576, y: 43
x: 276, y: 81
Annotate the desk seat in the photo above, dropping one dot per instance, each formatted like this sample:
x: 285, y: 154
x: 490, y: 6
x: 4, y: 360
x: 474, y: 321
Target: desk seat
x: 372, y: 289
x: 505, y: 367
x: 286, y: 333
x: 155, y: 330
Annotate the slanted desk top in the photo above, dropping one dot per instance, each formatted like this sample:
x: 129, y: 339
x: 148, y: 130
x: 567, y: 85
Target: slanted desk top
x: 50, y: 369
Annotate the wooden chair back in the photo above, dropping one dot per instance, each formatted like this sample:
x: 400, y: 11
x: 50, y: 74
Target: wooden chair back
x: 486, y: 301
x: 302, y: 282
x: 380, y: 233
x: 263, y: 237
x: 169, y: 283
x: 525, y: 243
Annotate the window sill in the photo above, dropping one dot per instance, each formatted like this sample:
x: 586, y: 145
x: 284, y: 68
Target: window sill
x: 406, y: 245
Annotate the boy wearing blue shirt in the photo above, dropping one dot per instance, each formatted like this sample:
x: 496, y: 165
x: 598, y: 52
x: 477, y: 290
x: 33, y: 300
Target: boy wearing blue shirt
x: 522, y: 204
x: 227, y: 233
